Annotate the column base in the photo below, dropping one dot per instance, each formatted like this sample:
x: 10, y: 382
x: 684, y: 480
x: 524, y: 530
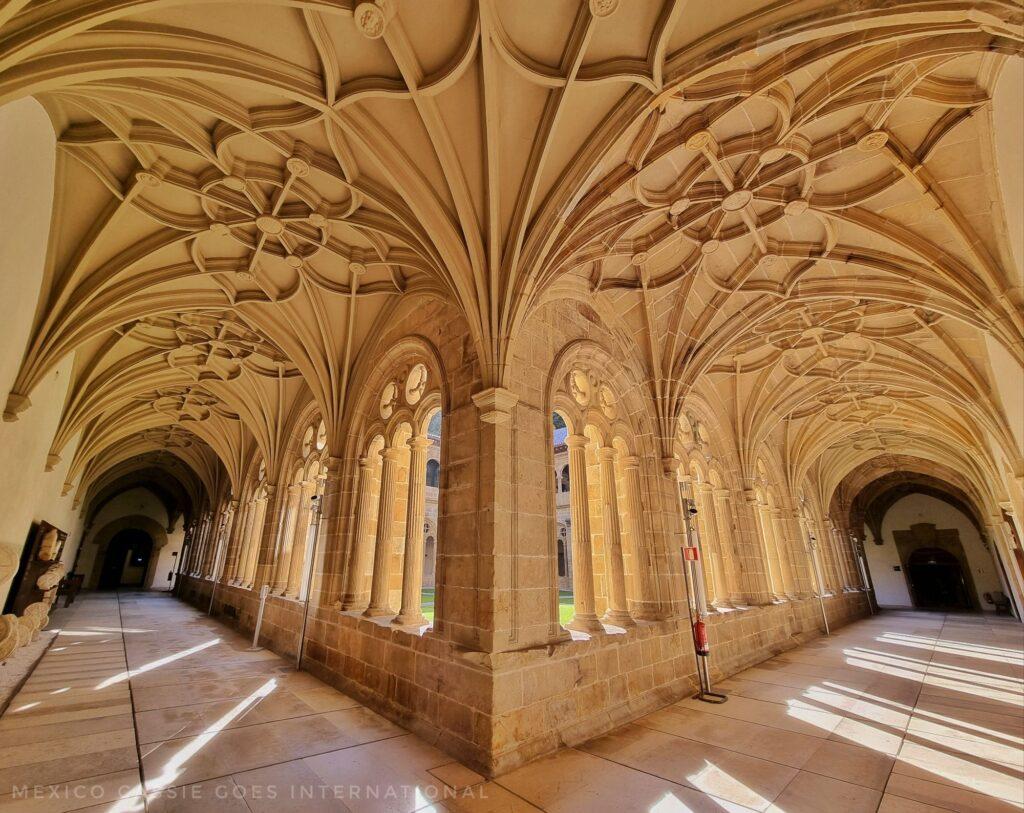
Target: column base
x: 618, y: 619
x: 377, y: 612
x: 587, y: 622
x: 350, y: 603
x: 409, y: 620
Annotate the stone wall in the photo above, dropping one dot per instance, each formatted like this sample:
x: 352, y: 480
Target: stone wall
x: 501, y: 710
x: 496, y: 680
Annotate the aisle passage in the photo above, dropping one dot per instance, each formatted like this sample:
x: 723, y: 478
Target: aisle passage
x: 144, y: 703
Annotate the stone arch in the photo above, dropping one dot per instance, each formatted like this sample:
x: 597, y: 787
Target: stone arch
x: 105, y: 535
x: 407, y: 388
x: 607, y: 423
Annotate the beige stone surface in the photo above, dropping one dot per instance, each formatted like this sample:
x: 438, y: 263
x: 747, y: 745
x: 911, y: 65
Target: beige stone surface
x: 761, y: 260
x: 267, y: 750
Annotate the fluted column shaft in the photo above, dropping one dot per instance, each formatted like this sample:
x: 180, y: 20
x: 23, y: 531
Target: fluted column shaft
x: 618, y: 609
x: 217, y: 534
x: 201, y: 558
x: 585, y: 618
x: 200, y: 542
x: 235, y: 544
x: 284, y: 550
x: 785, y: 563
x: 641, y: 554
x: 229, y: 525
x: 300, y: 540
x: 412, y: 562
x: 357, y: 559
x: 773, y: 568
x: 252, y: 551
x: 723, y: 521
x: 712, y: 548
x: 379, y: 585
x: 842, y: 549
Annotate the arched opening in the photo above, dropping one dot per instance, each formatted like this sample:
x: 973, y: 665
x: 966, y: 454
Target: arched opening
x: 563, y: 519
x: 937, y: 580
x: 433, y: 473
x: 432, y: 487
x: 127, y: 560
x: 924, y: 543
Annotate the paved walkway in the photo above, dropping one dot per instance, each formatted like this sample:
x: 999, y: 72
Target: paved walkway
x: 143, y: 703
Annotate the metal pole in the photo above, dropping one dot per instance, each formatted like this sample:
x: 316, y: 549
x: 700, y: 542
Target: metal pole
x: 315, y: 531
x: 696, y: 578
x: 685, y: 514
x: 264, y: 592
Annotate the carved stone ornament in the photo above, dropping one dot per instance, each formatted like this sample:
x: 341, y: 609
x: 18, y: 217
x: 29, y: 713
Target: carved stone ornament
x: 580, y: 387
x: 9, y: 635
x: 416, y: 384
x: 388, y: 397
x: 52, y: 576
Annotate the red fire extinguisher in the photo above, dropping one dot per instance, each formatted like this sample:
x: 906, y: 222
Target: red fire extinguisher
x: 700, y: 638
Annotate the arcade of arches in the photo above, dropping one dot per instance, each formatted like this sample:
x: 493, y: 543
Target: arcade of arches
x: 450, y: 329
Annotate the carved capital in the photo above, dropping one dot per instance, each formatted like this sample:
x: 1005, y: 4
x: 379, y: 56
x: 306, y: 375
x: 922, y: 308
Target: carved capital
x: 495, y: 404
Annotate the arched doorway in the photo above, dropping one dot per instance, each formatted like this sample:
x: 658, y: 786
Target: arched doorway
x: 127, y: 560
x: 937, y: 581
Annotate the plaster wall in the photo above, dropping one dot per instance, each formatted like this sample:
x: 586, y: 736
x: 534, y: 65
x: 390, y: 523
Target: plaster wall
x: 28, y: 492
x: 890, y: 585
x: 134, y: 502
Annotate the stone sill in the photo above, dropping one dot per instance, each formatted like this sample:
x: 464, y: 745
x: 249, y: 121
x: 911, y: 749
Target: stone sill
x: 384, y: 622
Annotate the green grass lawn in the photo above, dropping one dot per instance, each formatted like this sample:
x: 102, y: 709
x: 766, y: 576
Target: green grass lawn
x: 565, y: 610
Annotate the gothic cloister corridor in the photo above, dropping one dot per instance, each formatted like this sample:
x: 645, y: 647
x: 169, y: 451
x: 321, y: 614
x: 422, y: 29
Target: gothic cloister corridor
x: 143, y: 702
x: 509, y: 369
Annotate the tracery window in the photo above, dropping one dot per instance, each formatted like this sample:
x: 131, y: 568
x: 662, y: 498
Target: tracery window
x: 294, y: 555
x: 604, y: 565
x: 393, y: 557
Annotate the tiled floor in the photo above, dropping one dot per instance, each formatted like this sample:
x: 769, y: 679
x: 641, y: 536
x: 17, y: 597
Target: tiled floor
x: 144, y: 703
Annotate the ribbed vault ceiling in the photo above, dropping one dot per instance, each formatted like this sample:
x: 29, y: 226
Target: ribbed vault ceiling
x: 794, y: 213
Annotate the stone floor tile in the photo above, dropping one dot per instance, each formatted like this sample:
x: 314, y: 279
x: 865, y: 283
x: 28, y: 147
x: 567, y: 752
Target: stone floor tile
x: 946, y: 796
x: 215, y: 796
x: 812, y: 793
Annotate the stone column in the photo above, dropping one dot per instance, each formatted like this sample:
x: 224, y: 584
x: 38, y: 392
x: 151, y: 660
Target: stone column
x: 1004, y: 544
x: 192, y: 566
x: 585, y: 618
x: 279, y: 583
x: 712, y: 541
x: 772, y: 576
x: 821, y: 554
x: 723, y: 521
x: 801, y: 555
x: 646, y: 598
x: 842, y: 551
x: 350, y: 599
x: 785, y: 560
x: 267, y: 544
x: 235, y: 545
x: 252, y: 552
x: 327, y: 550
x: 216, y: 533
x: 618, y: 609
x: 229, y: 527
x: 300, y: 540
x: 385, y: 522
x: 412, y: 563
x: 200, y: 565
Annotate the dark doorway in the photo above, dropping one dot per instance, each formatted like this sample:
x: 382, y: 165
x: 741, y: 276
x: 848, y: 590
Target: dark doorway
x: 127, y: 560
x: 937, y: 580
